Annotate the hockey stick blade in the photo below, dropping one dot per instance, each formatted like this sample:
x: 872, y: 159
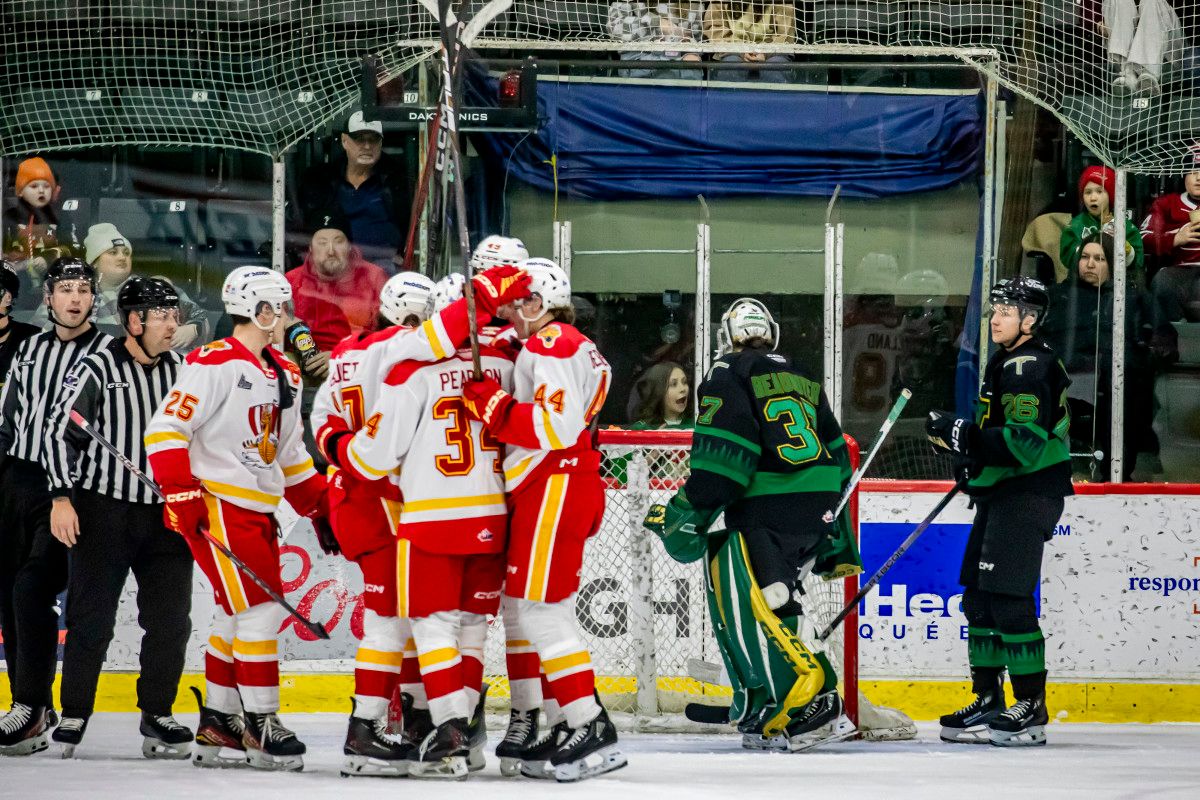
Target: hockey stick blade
x: 891, y: 562
x: 709, y: 715
x: 315, y: 628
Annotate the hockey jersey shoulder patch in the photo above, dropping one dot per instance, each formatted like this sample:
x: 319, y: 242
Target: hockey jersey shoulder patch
x: 557, y: 340
x: 401, y: 373
x: 222, y: 351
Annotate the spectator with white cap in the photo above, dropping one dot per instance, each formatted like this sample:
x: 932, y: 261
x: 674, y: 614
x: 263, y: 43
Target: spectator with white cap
x: 367, y: 187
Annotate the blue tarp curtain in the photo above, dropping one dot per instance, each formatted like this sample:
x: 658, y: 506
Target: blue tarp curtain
x: 623, y: 141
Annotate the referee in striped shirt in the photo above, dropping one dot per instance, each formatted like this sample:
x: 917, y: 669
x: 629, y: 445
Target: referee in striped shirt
x: 114, y: 524
x: 33, y: 564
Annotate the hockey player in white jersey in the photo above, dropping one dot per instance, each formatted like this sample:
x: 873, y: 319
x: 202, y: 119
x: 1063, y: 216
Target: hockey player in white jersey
x: 452, y: 531
x: 556, y: 495
x: 364, y: 515
x: 226, y: 446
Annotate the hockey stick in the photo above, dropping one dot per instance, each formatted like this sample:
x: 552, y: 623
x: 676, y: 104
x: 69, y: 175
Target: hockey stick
x: 892, y: 559
x: 316, y: 628
x: 884, y: 430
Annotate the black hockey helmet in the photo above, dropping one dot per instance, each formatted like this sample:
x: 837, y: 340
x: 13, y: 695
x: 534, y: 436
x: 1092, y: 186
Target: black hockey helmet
x: 1027, y: 294
x: 69, y: 268
x: 9, y: 282
x: 143, y: 294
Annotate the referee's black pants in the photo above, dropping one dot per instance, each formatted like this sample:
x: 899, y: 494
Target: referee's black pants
x: 33, y: 572
x: 116, y: 537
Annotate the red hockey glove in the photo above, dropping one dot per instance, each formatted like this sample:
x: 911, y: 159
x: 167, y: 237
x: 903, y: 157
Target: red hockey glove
x: 486, y: 401
x: 499, y: 286
x: 185, y: 511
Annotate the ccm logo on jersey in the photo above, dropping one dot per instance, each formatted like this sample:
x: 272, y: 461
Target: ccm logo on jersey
x: 117, y: 385
x: 375, y: 588
x: 986, y: 567
x: 486, y: 595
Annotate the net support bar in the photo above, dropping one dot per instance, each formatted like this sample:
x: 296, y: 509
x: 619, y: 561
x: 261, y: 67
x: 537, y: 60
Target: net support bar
x: 834, y: 315
x: 278, y: 211
x: 562, y: 245
x: 1116, y: 444
x: 641, y: 594
x: 987, y: 254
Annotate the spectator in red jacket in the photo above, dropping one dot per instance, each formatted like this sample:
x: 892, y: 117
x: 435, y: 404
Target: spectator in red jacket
x: 1172, y: 232
x: 335, y: 291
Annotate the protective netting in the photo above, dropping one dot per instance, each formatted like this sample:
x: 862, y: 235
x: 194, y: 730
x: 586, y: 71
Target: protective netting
x: 1122, y: 74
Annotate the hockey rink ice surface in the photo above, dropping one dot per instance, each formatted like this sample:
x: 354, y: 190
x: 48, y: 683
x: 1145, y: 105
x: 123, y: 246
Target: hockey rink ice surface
x: 1085, y: 760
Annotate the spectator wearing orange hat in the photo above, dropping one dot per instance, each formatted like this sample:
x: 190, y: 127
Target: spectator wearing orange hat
x: 1097, y: 186
x: 33, y: 237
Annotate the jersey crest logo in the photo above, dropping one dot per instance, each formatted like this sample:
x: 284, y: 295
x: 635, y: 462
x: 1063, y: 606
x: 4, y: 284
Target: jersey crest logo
x: 1019, y: 363
x: 549, y: 334
x: 264, y: 428
x: 212, y: 347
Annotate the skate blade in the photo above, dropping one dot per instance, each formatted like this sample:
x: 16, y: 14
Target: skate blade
x: 476, y: 760
x: 756, y: 741
x: 606, y: 759
x: 976, y: 734
x: 900, y: 733
x: 157, y: 748
x: 66, y: 751
x: 451, y: 768
x: 839, y: 730
x: 34, y: 744
x: 367, y: 767
x: 259, y: 759
x: 510, y: 767
x: 538, y: 770
x: 1033, y: 736
x: 207, y: 756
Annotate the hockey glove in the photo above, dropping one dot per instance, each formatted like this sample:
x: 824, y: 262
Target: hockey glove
x: 681, y: 527
x: 950, y: 434
x: 499, y: 286
x: 325, y: 538
x: 185, y: 511
x: 486, y: 401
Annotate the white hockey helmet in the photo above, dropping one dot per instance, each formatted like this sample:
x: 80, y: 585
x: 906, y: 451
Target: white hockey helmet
x: 746, y: 319
x: 406, y: 294
x: 548, y: 281
x: 247, y: 288
x: 496, y: 251
x: 447, y: 290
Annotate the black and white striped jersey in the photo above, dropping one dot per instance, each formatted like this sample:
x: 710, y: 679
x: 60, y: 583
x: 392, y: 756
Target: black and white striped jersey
x: 118, y: 396
x: 39, y: 372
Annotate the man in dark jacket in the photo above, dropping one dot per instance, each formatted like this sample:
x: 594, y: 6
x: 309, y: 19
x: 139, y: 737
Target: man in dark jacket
x: 369, y: 188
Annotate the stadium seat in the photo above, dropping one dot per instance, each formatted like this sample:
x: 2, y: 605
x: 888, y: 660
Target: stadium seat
x: 277, y: 12
x: 238, y: 230
x: 858, y: 21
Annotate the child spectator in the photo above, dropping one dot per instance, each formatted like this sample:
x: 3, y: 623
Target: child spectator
x: 33, y: 237
x: 663, y: 393
x: 1097, y: 185
x: 1172, y: 232
x: 751, y: 22
x: 639, y: 21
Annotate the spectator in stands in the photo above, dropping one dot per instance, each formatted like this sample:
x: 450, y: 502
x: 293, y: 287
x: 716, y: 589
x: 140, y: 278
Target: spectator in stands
x: 663, y: 392
x: 111, y: 254
x: 33, y: 237
x: 639, y: 21
x: 366, y: 187
x: 1097, y: 185
x: 1141, y: 34
x: 751, y: 22
x: 1079, y: 328
x: 335, y: 291
x: 1172, y: 232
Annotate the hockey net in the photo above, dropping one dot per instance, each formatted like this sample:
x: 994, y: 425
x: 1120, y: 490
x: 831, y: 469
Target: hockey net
x: 645, y: 616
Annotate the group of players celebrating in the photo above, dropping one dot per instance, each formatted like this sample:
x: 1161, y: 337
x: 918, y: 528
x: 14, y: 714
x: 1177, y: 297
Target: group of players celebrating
x: 466, y: 484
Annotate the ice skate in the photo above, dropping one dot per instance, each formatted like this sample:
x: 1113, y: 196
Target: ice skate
x: 271, y: 746
x: 69, y: 734
x: 23, y: 731
x: 969, y: 725
x: 165, y: 737
x: 535, y: 759
x: 822, y: 721
x: 522, y: 733
x: 370, y: 751
x: 588, y: 751
x: 442, y: 755
x: 218, y: 731
x: 1023, y: 725
x: 477, y: 732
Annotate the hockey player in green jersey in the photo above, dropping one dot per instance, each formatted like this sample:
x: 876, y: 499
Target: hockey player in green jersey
x: 768, y: 452
x: 1018, y: 459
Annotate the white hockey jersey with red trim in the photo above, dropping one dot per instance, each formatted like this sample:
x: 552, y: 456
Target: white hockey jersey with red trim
x: 450, y: 468
x: 560, y: 383
x: 222, y: 424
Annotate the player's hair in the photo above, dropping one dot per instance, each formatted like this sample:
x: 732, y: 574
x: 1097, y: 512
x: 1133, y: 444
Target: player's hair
x: 565, y: 314
x: 238, y: 319
x: 651, y: 390
x: 756, y: 343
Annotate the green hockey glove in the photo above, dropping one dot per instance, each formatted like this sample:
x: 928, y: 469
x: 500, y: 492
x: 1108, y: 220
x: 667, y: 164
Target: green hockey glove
x: 681, y: 527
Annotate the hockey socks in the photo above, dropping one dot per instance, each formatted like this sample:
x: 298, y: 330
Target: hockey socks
x: 377, y: 664
x: 1025, y: 654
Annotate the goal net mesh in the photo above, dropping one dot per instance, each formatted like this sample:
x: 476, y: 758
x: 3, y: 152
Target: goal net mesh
x: 258, y: 76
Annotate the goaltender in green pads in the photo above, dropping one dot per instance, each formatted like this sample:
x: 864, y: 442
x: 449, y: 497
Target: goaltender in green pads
x: 769, y: 453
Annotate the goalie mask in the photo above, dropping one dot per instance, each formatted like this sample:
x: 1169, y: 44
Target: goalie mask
x: 246, y: 289
x: 746, y: 319
x: 406, y: 294
x: 498, y: 251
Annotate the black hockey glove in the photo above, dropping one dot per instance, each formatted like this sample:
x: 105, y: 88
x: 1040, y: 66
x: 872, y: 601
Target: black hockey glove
x: 325, y: 538
x: 950, y: 434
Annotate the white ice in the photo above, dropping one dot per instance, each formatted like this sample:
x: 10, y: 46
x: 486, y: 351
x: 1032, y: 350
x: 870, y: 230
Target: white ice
x: 1082, y: 760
